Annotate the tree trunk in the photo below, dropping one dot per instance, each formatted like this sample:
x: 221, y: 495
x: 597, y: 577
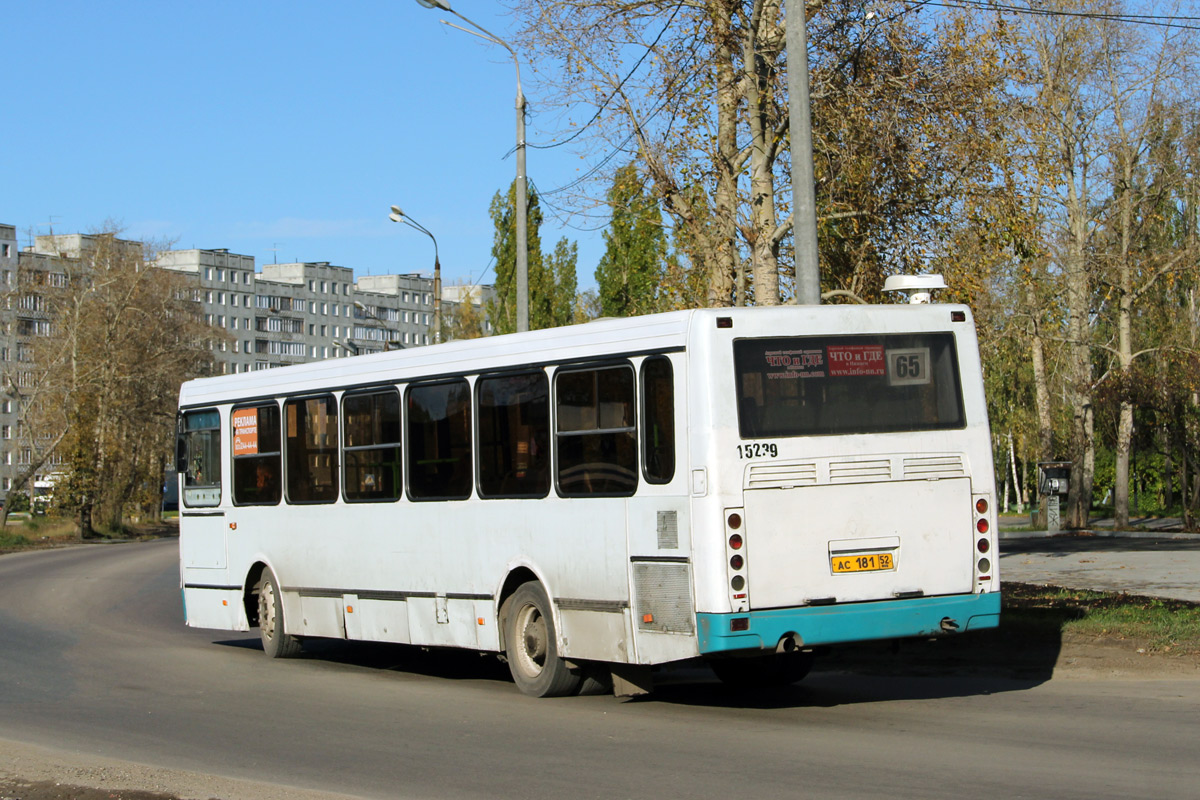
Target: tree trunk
x: 1121, y: 481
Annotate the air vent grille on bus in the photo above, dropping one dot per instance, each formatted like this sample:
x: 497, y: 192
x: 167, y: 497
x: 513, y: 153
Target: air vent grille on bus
x: 918, y: 467
x: 850, y: 471
x: 663, y: 597
x: 775, y: 476
x: 668, y: 530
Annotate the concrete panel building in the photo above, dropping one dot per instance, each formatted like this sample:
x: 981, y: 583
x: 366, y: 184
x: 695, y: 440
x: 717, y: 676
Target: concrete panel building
x: 284, y: 314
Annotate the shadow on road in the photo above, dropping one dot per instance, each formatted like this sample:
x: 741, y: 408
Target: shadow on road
x: 979, y: 663
x: 831, y: 689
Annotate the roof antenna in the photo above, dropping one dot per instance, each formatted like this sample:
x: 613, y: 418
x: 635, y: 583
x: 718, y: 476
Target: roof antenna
x: 921, y: 286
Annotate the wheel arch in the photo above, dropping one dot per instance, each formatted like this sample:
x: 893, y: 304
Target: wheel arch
x: 517, y: 577
x: 249, y: 593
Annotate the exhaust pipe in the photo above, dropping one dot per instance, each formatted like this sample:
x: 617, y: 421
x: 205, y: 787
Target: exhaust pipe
x: 949, y: 625
x: 789, y: 643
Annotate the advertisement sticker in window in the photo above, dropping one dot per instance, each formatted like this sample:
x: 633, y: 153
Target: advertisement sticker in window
x: 245, y: 432
x: 790, y: 364
x: 855, y: 359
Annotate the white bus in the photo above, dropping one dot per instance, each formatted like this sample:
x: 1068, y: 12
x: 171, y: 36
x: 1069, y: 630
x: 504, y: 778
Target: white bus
x: 739, y: 485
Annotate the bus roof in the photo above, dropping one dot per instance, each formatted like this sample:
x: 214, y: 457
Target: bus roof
x: 649, y: 333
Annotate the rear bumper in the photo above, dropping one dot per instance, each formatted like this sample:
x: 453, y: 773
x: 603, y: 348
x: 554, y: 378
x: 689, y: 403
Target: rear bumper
x: 853, y: 622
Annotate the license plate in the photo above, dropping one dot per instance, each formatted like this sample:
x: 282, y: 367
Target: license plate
x: 869, y: 562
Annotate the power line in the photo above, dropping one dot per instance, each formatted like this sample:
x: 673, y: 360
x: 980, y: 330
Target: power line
x: 621, y: 85
x: 1153, y: 20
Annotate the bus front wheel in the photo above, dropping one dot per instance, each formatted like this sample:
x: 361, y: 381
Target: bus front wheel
x: 276, y: 643
x: 531, y: 646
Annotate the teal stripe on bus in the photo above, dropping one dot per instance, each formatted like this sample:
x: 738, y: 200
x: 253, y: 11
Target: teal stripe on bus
x: 850, y: 622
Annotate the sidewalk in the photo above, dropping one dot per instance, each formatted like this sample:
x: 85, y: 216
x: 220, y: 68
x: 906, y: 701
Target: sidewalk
x: 1151, y: 561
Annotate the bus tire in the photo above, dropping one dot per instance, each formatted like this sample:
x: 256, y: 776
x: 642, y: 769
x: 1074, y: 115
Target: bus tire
x: 762, y: 672
x: 532, y: 647
x: 276, y: 643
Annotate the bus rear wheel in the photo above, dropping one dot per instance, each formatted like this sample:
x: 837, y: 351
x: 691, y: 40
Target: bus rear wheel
x: 762, y: 672
x: 276, y: 643
x: 531, y: 646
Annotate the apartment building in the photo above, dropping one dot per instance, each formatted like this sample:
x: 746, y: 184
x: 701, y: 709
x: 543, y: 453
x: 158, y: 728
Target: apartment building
x: 284, y: 314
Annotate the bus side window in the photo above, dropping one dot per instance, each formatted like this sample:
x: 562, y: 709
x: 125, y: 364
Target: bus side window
x: 311, y: 447
x: 658, y: 420
x: 514, y: 435
x: 257, y: 462
x: 439, y: 441
x: 200, y: 457
x: 595, y: 440
x: 372, y: 445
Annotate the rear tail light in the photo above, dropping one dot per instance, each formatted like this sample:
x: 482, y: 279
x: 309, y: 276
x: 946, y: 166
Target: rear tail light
x: 984, y: 545
x: 981, y: 505
x: 735, y: 542
x: 735, y: 521
x: 982, y: 525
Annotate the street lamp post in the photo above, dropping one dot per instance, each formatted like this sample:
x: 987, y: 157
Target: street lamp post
x: 399, y: 216
x: 521, y: 188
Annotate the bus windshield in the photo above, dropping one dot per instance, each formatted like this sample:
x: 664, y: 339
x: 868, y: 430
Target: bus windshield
x: 822, y: 385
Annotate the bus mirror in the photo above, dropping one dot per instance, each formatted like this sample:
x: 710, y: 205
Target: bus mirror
x: 181, y: 453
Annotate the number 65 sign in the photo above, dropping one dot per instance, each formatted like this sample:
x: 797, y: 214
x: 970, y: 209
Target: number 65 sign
x: 908, y: 366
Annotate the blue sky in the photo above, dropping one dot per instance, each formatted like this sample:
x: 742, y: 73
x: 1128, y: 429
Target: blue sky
x: 278, y: 130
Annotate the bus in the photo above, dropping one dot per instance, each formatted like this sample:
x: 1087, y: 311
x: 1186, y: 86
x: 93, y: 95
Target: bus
x: 743, y: 486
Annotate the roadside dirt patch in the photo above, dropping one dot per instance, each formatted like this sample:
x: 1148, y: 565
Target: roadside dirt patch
x: 47, y: 790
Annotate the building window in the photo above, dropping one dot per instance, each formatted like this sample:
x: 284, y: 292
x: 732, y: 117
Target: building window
x: 6, y: 431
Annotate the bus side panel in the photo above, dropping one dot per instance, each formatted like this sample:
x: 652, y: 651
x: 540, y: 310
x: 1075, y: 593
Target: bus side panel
x: 660, y: 575
x: 202, y: 541
x: 376, y: 620
x: 221, y: 609
x: 441, y: 621
x: 594, y: 635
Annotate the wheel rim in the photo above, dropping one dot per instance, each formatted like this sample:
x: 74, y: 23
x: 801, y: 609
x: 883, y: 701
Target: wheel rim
x: 532, y: 641
x: 266, y: 610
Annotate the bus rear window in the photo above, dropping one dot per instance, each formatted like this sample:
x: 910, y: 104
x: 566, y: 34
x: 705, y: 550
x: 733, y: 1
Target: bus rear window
x: 823, y: 385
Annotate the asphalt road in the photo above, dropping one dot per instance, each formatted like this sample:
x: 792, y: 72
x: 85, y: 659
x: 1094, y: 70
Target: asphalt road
x: 94, y: 658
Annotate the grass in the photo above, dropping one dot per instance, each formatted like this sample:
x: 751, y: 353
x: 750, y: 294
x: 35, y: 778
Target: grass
x: 1166, y: 626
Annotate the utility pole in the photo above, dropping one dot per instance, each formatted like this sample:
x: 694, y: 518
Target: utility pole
x: 804, y: 201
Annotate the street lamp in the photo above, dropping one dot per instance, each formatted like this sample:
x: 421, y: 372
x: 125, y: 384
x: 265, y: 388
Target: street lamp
x: 399, y: 216
x: 522, y: 222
